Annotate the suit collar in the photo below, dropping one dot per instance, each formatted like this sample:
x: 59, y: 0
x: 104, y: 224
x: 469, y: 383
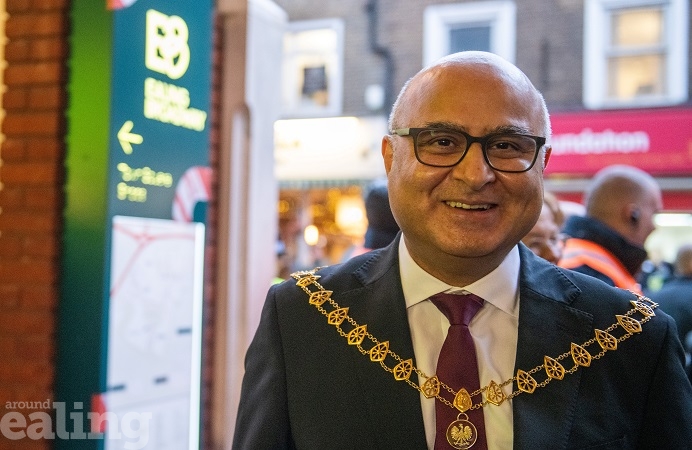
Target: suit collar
x: 499, y: 287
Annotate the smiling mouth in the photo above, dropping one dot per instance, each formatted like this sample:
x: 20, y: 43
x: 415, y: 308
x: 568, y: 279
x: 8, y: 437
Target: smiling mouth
x: 468, y: 207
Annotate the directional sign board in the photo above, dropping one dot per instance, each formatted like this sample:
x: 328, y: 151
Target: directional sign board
x: 159, y: 183
x: 160, y: 107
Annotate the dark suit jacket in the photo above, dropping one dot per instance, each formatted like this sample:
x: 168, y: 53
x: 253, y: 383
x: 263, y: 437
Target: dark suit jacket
x: 306, y: 388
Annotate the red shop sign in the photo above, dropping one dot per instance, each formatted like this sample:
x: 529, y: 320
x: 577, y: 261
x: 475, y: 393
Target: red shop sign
x: 658, y: 141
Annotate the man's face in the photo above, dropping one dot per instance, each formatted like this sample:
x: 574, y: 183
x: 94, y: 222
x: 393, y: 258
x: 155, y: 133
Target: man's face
x: 544, y: 238
x: 469, y: 210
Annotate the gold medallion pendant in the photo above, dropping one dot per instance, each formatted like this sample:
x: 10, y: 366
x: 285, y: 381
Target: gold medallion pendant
x: 461, y: 433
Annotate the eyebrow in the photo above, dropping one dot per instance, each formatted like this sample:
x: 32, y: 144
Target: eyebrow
x: 456, y: 127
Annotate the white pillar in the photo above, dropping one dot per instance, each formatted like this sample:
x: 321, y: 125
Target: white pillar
x: 247, y: 225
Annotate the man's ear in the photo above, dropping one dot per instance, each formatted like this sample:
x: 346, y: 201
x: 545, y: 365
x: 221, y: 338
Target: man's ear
x: 387, y: 153
x: 632, y: 214
x: 546, y: 155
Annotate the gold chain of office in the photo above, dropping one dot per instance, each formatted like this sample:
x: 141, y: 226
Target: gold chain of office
x: 493, y: 393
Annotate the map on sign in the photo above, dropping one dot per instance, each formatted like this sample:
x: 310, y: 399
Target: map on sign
x: 155, y: 320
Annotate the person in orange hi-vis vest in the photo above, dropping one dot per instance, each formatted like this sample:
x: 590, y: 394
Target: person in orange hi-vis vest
x: 608, y: 243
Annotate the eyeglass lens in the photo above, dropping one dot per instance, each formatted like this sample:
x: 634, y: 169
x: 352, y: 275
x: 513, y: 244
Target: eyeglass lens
x: 504, y: 152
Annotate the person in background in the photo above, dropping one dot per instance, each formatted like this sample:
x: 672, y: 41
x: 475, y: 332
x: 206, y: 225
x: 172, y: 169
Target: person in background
x: 545, y: 238
x: 675, y: 297
x: 454, y: 336
x: 282, y: 263
x: 608, y: 243
x: 382, y: 228
x: 654, y: 273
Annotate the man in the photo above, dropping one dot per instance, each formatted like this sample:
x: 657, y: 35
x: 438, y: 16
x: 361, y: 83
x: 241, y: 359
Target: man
x: 351, y: 356
x: 382, y: 227
x: 608, y: 243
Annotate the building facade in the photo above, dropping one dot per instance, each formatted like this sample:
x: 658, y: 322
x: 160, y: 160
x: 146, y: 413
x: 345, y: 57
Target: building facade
x: 615, y: 75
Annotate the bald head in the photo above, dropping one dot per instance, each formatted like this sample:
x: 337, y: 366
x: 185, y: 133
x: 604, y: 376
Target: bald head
x: 482, y: 65
x: 625, y: 198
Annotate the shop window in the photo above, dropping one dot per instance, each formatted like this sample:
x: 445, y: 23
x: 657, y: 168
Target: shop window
x: 635, y: 53
x: 488, y: 26
x: 312, y: 83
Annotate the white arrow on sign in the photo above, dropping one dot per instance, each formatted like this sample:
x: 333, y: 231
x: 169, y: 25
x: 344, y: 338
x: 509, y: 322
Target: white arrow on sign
x: 127, y: 139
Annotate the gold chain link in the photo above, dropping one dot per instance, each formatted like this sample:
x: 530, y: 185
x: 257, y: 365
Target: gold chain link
x: 492, y: 392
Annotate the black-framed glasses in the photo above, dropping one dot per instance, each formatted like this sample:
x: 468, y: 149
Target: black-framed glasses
x: 504, y: 152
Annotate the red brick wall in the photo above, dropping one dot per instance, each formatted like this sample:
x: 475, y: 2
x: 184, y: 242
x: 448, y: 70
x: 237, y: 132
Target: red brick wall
x: 31, y: 200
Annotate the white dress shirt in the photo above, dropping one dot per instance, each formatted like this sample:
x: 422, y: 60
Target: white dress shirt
x: 494, y: 329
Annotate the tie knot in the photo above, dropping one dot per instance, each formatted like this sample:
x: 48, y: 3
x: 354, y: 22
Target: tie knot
x: 459, y: 309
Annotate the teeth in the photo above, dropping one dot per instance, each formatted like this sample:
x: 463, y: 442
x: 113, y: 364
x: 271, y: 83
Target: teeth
x: 465, y: 206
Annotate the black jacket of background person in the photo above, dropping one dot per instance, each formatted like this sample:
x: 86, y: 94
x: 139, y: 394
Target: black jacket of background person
x: 305, y: 387
x: 675, y: 298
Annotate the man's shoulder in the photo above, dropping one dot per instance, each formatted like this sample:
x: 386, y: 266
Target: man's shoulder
x: 344, y: 276
x: 590, y: 272
x: 597, y: 294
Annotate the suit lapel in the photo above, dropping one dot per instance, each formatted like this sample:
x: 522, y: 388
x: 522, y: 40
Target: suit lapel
x: 547, y: 327
x: 380, y: 305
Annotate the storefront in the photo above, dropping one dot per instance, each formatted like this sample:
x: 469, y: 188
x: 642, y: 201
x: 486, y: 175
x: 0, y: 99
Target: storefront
x: 324, y: 168
x: 658, y: 141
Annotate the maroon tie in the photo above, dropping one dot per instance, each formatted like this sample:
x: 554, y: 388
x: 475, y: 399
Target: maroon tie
x: 457, y: 367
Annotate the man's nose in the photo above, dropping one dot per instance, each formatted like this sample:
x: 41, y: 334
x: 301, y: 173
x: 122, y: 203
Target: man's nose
x: 473, y: 169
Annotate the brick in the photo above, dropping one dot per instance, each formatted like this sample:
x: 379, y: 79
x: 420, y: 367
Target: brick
x: 36, y: 348
x: 12, y: 199
x: 6, y: 394
x: 43, y: 199
x: 36, y: 174
x: 46, y: 97
x: 16, y: 98
x: 47, y: 24
x: 25, y: 323
x: 9, y: 296
x: 41, y: 123
x: 50, y: 5
x: 42, y: 384
x: 17, y: 6
x: 41, y: 246
x: 38, y: 297
x: 17, y: 50
x: 28, y: 271
x: 27, y: 222
x: 11, y: 247
x: 44, y: 148
x: 54, y: 48
x: 34, y: 73
x: 8, y: 347
x: 13, y: 150
x: 39, y: 372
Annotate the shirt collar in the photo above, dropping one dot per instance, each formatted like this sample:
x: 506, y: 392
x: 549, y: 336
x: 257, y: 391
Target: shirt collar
x: 499, y: 288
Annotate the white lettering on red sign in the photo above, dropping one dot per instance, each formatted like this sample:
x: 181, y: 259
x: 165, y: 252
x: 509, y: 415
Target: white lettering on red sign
x: 588, y: 142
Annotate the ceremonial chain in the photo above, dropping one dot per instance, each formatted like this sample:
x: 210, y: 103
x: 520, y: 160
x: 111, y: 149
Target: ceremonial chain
x: 491, y: 393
